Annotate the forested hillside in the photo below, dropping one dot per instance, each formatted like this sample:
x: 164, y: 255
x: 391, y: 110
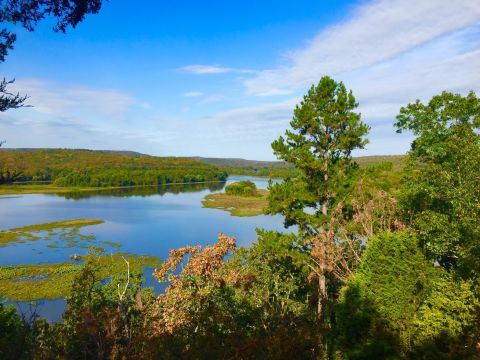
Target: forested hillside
x: 66, y: 167
x: 282, y: 169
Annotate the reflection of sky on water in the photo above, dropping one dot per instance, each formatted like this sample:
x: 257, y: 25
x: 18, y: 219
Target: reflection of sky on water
x: 146, y: 223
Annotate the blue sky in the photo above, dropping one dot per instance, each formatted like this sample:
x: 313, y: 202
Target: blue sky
x: 220, y: 78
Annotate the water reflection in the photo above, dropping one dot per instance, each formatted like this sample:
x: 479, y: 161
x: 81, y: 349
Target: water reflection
x: 144, y: 190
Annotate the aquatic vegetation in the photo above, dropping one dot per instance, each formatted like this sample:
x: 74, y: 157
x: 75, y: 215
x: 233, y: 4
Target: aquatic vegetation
x: 238, y: 205
x: 51, y: 281
x: 111, y: 243
x: 60, y: 225
x: 66, y: 232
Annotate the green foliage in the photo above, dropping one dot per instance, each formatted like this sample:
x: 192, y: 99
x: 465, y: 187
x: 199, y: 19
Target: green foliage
x: 325, y: 131
x: 271, y: 280
x: 106, y: 320
x: 13, y: 333
x: 446, y: 324
x: 85, y: 168
x: 242, y: 188
x: 281, y: 169
x: 441, y: 193
x: 399, y: 305
x: 271, y: 169
x: 277, y: 266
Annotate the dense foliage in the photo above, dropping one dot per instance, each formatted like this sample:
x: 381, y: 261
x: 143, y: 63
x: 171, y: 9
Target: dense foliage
x: 99, y: 168
x: 366, y: 276
x: 325, y: 131
x: 242, y: 188
x: 442, y: 189
x: 272, y: 169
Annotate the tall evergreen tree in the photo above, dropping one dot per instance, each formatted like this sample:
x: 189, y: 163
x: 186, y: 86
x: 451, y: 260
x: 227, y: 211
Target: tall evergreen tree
x: 325, y: 130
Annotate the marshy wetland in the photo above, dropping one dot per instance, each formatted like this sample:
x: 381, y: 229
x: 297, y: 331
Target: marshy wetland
x: 46, y: 238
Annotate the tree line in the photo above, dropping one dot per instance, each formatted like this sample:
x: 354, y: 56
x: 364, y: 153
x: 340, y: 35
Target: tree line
x: 85, y: 168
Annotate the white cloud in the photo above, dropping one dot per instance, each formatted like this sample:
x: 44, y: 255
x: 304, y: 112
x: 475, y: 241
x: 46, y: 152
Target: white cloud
x: 214, y: 69
x: 53, y: 99
x: 193, y: 94
x: 205, y: 69
x: 375, y: 32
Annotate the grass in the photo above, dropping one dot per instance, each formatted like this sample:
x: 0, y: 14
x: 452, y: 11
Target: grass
x: 238, y: 205
x: 53, y: 281
x: 67, y: 230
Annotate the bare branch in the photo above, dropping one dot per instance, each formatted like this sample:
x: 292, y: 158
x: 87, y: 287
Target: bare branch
x: 10, y: 100
x: 122, y: 295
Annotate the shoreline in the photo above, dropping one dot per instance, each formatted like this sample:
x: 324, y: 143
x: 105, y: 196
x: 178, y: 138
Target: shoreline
x: 52, y: 189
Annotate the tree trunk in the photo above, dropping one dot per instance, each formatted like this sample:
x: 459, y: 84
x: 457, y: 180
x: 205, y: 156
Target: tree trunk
x: 322, y: 297
x: 321, y: 309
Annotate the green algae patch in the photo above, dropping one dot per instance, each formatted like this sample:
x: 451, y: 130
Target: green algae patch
x: 67, y: 231
x: 53, y: 281
x: 238, y: 205
x: 77, y: 223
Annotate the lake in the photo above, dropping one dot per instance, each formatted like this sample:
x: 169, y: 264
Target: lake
x: 145, y: 221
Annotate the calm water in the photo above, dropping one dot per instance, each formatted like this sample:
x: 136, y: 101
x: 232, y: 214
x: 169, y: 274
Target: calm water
x: 145, y: 221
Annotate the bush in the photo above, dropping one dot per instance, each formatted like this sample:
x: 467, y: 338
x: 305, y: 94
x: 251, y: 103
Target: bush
x: 242, y: 188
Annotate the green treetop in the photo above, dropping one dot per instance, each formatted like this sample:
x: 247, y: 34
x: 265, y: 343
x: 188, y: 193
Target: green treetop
x: 325, y: 130
x: 442, y: 188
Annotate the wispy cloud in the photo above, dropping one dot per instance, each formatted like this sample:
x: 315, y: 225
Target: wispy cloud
x: 375, y: 32
x: 193, y: 94
x: 214, y: 69
x: 205, y: 69
x: 50, y: 98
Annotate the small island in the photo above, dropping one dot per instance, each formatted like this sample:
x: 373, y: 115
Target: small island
x: 240, y: 198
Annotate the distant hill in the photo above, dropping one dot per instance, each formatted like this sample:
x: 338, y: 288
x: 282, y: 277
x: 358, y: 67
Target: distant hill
x: 121, y: 152
x: 243, y: 163
x: 100, y: 168
x: 237, y: 166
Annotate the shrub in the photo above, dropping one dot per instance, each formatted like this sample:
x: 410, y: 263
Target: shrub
x: 242, y: 188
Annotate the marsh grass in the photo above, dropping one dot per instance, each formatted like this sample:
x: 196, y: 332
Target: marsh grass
x: 52, y: 281
x: 67, y: 232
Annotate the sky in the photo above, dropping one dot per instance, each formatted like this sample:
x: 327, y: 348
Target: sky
x: 221, y: 78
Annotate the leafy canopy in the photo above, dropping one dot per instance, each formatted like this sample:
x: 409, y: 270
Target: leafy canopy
x: 441, y: 194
